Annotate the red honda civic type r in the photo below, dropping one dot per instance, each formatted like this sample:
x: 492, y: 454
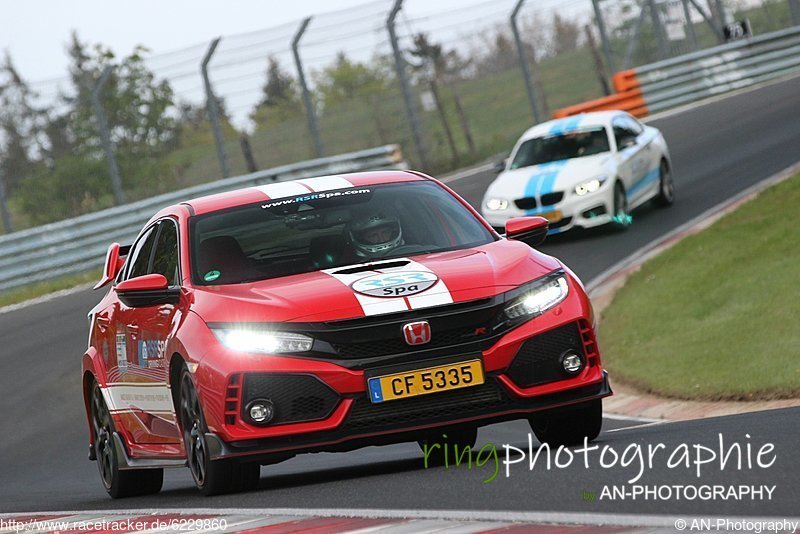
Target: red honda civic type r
x: 328, y: 314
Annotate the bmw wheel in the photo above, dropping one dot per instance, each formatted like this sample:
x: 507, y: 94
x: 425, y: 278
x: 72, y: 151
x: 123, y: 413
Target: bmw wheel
x: 621, y: 218
x: 118, y: 482
x: 666, y: 189
x: 211, y: 477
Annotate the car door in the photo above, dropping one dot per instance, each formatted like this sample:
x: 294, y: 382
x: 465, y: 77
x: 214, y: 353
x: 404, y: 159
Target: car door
x: 651, y: 157
x: 146, y: 332
x: 119, y: 315
x: 631, y: 162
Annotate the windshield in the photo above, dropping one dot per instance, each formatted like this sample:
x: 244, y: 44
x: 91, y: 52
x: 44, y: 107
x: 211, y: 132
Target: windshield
x: 330, y: 229
x: 577, y: 144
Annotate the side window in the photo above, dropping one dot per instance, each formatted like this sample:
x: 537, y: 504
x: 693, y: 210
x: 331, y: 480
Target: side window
x: 165, y: 258
x: 622, y: 131
x: 139, y: 257
x: 633, y: 125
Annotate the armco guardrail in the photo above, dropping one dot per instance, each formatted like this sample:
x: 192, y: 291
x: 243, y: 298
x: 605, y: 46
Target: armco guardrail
x: 79, y: 244
x: 692, y: 77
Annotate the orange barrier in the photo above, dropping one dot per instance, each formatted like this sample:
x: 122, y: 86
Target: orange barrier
x: 628, y: 97
x: 631, y: 101
x: 625, y: 80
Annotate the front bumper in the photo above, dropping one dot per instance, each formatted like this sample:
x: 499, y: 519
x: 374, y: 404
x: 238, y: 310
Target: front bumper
x: 379, y: 424
x: 321, y: 402
x: 587, y: 211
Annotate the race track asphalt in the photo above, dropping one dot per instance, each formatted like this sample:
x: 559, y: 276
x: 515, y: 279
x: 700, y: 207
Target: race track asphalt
x: 718, y: 150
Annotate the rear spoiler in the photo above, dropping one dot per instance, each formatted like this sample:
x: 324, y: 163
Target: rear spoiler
x: 115, y: 259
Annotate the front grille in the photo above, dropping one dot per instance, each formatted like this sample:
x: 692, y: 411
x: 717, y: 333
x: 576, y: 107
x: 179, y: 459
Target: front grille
x: 530, y: 203
x: 551, y: 198
x: 489, y: 397
x: 537, y: 361
x: 397, y: 344
x: 463, y: 328
x: 527, y: 203
x: 232, y: 396
x: 296, y: 397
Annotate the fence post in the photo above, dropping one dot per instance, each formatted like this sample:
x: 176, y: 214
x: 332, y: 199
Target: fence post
x: 687, y: 14
x: 408, y: 98
x: 658, y: 30
x: 523, y: 63
x: 710, y: 21
x: 720, y: 9
x: 600, y: 69
x: 633, y: 42
x: 213, y: 109
x: 601, y: 27
x: 794, y: 9
x: 105, y: 135
x: 311, y: 113
x: 4, y: 204
x: 247, y: 152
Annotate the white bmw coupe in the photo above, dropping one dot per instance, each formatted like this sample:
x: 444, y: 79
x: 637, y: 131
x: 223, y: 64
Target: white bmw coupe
x: 586, y: 170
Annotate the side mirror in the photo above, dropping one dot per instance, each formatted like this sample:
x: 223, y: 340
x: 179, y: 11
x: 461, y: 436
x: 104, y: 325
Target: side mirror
x: 530, y: 230
x: 147, y: 290
x: 627, y: 142
x: 500, y: 166
x: 115, y: 259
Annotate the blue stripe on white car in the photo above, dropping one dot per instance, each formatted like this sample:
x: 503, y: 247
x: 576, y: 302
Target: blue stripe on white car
x: 643, y: 182
x: 567, y: 125
x: 543, y: 182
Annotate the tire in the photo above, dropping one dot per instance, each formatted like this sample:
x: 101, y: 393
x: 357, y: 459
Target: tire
x: 666, y: 187
x: 569, y: 425
x: 118, y: 483
x: 456, y: 437
x: 211, y: 477
x: 621, y: 218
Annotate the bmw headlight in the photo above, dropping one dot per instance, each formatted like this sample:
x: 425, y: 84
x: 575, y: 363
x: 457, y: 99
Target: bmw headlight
x: 263, y: 342
x: 590, y: 186
x: 496, y: 204
x: 538, y: 299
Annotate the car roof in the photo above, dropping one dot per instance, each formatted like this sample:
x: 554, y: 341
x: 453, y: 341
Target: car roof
x: 290, y: 188
x: 573, y: 122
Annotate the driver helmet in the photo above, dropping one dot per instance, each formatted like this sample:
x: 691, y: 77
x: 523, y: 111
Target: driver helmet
x: 375, y: 234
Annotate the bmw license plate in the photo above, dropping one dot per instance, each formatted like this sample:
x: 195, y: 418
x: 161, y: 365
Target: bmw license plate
x: 552, y: 216
x: 425, y: 381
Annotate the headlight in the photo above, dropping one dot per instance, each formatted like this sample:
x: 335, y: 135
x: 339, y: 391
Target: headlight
x: 496, y: 204
x: 250, y: 340
x: 591, y: 186
x: 538, y: 299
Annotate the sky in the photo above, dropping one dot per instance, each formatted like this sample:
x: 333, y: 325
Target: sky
x: 35, y: 32
x: 177, y: 32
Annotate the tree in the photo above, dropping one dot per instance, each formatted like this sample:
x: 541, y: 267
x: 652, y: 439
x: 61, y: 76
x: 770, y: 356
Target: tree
x: 565, y: 35
x: 346, y: 80
x: 22, y: 127
x: 71, y: 168
x: 432, y: 67
x: 444, y: 68
x: 280, y: 100
x: 499, y: 53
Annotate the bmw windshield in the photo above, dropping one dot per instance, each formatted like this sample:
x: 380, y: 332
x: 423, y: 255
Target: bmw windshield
x: 577, y: 144
x: 325, y: 230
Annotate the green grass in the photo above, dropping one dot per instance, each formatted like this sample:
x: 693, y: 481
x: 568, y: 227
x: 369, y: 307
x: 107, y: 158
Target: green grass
x: 15, y: 296
x: 716, y: 317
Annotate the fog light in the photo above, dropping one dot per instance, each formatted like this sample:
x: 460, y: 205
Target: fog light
x: 261, y: 411
x: 572, y: 362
